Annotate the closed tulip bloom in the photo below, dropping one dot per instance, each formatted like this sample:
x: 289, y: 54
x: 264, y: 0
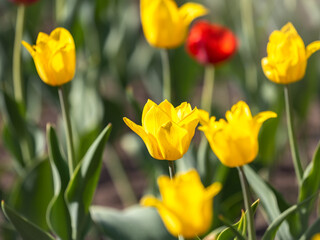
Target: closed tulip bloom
x: 235, y: 141
x: 287, y: 56
x: 210, y: 43
x: 54, y: 56
x: 166, y: 131
x: 25, y: 2
x: 164, y: 24
x: 186, y: 206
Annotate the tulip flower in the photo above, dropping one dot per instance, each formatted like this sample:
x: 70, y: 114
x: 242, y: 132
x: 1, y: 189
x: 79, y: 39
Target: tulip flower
x: 25, y: 2
x: 287, y: 56
x: 186, y: 206
x: 164, y: 24
x: 210, y: 43
x: 235, y: 141
x: 54, y: 56
x: 166, y: 131
x: 316, y: 237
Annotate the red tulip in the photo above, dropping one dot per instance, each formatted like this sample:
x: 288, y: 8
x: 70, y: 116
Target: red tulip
x: 211, y: 43
x: 25, y: 2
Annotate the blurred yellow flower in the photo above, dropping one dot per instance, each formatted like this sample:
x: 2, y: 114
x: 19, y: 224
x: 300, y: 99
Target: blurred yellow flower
x: 186, y: 206
x: 287, y: 56
x: 54, y: 56
x: 166, y: 131
x: 164, y: 24
x: 235, y: 141
x: 316, y: 237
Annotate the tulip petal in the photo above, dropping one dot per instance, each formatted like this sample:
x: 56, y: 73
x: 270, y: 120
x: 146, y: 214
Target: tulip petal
x: 154, y: 119
x: 312, y: 47
x: 29, y: 48
x: 146, y: 109
x: 149, y: 140
x: 42, y: 38
x: 173, y: 141
x: 213, y: 190
x: 203, y: 117
x: 169, y: 110
x: 169, y: 219
x: 190, y: 11
x: 263, y: 116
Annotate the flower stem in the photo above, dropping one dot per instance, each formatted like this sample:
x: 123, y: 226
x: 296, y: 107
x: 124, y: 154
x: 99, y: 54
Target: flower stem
x: 16, y: 74
x: 207, y: 91
x: 166, y: 75
x: 246, y: 195
x: 59, y: 10
x: 293, y: 144
x: 171, y: 169
x: 65, y: 114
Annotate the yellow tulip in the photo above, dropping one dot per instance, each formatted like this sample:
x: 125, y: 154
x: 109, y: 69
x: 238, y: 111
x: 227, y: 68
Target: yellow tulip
x: 287, y: 56
x: 54, y: 56
x: 166, y: 131
x: 186, y: 206
x: 316, y: 237
x: 235, y: 141
x: 164, y: 24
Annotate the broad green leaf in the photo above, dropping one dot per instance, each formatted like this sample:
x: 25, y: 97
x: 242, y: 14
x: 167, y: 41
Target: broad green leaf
x: 268, y: 200
x: 135, y: 223
x: 32, y: 193
x: 310, y: 185
x: 58, y: 216
x: 313, y: 229
x: 82, y: 185
x: 274, y: 226
x: 240, y: 226
x: 27, y: 229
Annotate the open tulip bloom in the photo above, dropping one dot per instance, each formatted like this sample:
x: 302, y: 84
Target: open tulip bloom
x: 164, y: 24
x: 235, y: 141
x: 210, y: 43
x: 54, y: 56
x: 186, y: 206
x: 166, y: 131
x: 287, y: 56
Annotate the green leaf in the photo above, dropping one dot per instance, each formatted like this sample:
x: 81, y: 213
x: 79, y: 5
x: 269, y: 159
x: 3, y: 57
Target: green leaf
x: 83, y: 183
x: 27, y: 229
x: 313, y: 229
x: 268, y: 200
x: 135, y: 223
x: 58, y: 217
x: 310, y: 185
x: 240, y: 226
x: 32, y: 193
x: 274, y: 226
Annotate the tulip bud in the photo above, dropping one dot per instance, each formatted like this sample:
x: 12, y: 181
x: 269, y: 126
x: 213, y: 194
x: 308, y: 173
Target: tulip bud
x: 210, y: 43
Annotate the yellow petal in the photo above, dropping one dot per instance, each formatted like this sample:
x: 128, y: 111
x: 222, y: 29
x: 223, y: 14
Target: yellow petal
x: 146, y: 109
x: 173, y: 141
x: 312, y: 47
x: 190, y: 11
x: 29, y: 48
x: 149, y: 140
x: 42, y: 38
x: 203, y: 117
x: 263, y: 116
x: 154, y: 119
x: 213, y: 190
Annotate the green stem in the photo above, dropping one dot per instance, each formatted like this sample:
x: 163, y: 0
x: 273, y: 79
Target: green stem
x: 59, y: 10
x: 171, y: 169
x: 16, y: 74
x: 293, y: 144
x: 207, y: 90
x: 246, y: 196
x: 180, y: 237
x: 65, y: 114
x: 166, y: 75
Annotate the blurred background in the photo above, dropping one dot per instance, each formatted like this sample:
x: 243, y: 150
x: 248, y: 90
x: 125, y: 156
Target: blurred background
x: 118, y: 71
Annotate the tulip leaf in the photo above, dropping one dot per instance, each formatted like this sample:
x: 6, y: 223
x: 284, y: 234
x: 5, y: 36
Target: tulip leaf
x: 268, y: 200
x: 32, y: 193
x: 82, y: 185
x: 313, y: 229
x: 310, y: 185
x: 58, y: 216
x: 240, y: 227
x: 274, y: 226
x: 27, y: 229
x: 136, y: 222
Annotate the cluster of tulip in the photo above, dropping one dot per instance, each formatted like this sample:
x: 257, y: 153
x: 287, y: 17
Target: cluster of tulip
x: 186, y: 207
